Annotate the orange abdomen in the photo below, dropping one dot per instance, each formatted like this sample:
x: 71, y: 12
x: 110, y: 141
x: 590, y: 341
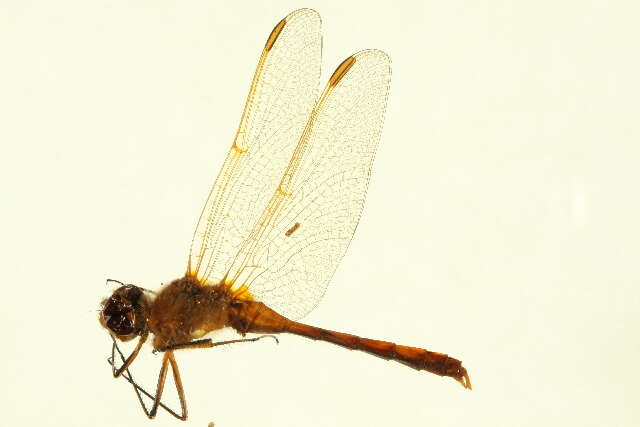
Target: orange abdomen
x: 252, y: 316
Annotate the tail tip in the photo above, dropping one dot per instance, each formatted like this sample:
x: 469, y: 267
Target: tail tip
x: 464, y: 379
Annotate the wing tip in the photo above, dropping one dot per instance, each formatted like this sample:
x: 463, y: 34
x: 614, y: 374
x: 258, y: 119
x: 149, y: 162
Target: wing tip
x: 382, y: 55
x: 346, y: 65
x: 277, y: 30
x: 311, y: 13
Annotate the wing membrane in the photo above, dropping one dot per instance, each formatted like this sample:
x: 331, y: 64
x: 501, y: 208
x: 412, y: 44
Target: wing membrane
x: 281, y: 97
x: 296, y: 244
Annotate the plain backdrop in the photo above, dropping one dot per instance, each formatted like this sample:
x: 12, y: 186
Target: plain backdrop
x: 501, y: 224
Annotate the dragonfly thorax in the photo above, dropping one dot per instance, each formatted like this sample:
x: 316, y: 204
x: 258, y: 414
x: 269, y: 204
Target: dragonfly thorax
x: 187, y: 309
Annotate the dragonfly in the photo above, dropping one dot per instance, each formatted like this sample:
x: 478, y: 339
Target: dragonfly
x: 278, y: 219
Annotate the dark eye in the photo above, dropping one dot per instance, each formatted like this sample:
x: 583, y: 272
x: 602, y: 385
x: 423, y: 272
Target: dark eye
x: 120, y: 317
x: 122, y: 324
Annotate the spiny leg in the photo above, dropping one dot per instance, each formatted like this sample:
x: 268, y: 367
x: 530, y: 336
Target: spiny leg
x: 207, y: 343
x: 129, y: 377
x: 130, y: 359
x: 178, y: 382
x: 166, y: 360
x: 168, y: 357
x: 127, y: 374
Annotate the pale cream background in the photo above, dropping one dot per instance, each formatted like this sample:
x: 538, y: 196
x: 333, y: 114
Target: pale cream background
x: 501, y: 224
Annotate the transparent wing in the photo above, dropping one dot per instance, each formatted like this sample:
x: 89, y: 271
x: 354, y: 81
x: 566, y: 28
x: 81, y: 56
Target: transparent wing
x: 294, y: 248
x: 281, y: 97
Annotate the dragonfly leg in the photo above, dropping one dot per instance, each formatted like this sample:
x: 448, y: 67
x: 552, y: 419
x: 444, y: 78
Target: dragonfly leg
x: 207, y: 343
x: 167, y: 360
x: 130, y: 359
x: 129, y: 377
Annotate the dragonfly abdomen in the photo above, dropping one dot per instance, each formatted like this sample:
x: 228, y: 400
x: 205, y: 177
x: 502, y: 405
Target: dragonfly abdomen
x: 256, y: 317
x: 417, y: 358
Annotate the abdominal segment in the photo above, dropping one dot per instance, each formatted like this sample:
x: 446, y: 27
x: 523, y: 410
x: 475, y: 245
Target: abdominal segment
x: 256, y: 317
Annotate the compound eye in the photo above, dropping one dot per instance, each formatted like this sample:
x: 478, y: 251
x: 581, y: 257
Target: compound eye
x: 122, y: 323
x: 114, y: 307
x: 119, y: 316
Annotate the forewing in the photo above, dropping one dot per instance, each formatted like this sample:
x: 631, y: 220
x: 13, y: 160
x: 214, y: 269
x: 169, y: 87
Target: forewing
x: 296, y: 245
x: 281, y: 97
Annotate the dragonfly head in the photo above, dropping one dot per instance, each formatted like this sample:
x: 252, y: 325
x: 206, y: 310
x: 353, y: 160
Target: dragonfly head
x: 124, y: 313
